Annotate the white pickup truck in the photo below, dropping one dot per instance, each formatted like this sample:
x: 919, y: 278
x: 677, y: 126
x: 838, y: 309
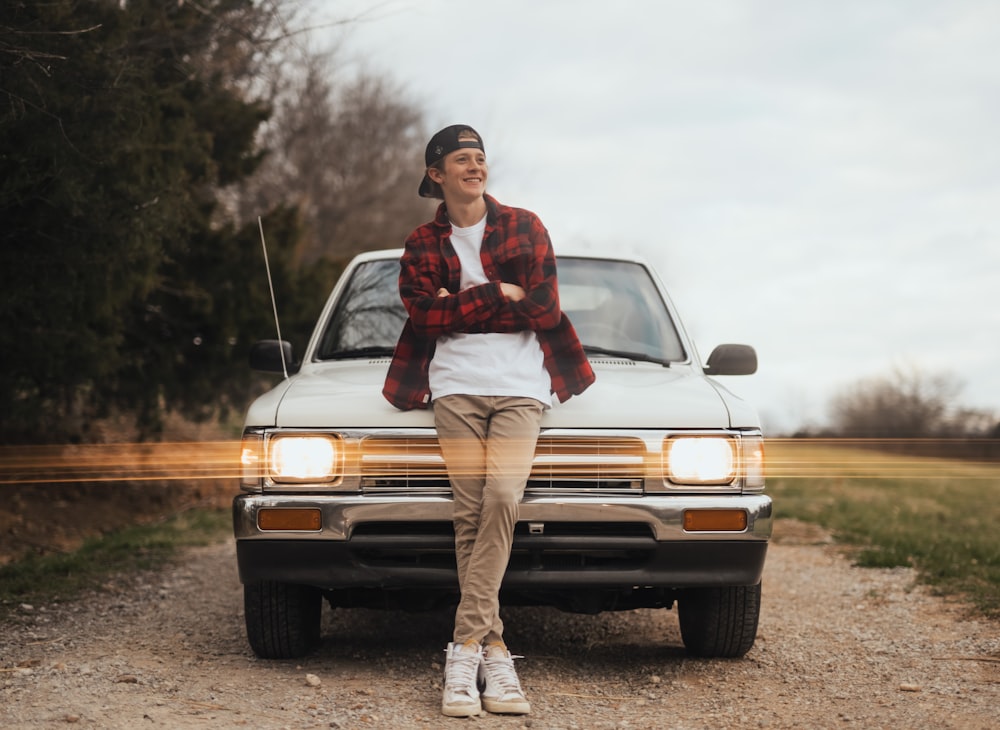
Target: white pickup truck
x: 646, y: 491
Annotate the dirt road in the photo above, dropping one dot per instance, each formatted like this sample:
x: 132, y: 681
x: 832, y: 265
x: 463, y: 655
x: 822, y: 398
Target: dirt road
x: 838, y: 647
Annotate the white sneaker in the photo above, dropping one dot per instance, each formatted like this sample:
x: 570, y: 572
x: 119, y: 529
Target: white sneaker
x: 502, y: 692
x: 461, y: 668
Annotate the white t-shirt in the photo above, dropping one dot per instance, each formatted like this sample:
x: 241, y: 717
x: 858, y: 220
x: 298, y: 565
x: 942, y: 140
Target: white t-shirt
x: 487, y: 363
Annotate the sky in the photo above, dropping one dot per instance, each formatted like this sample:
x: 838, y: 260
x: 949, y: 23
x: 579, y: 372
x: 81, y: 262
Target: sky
x: 818, y: 179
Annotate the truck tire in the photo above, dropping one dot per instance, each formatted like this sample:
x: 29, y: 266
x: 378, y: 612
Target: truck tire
x: 282, y: 619
x: 719, y: 622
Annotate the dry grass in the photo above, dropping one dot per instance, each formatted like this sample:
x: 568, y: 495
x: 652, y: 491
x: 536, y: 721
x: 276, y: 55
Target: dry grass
x: 939, y: 516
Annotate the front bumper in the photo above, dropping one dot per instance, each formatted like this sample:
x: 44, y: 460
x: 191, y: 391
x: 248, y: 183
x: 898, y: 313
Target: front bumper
x: 391, y: 542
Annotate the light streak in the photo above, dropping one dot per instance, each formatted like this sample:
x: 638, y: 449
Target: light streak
x: 119, y: 462
x: 882, y: 458
x: 784, y: 458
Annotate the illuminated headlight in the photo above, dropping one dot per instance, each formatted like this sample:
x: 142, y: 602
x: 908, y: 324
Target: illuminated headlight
x: 305, y: 459
x: 700, y: 460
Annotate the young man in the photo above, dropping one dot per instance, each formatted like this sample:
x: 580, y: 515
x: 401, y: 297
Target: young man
x: 487, y: 344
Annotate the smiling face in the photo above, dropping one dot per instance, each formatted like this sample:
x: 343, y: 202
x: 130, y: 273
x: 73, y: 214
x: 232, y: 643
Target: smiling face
x: 461, y: 174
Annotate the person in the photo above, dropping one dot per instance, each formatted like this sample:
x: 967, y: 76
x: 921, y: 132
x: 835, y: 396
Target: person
x: 485, y: 345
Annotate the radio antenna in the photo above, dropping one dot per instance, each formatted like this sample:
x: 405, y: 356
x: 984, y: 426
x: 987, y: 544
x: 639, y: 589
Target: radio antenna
x: 274, y: 304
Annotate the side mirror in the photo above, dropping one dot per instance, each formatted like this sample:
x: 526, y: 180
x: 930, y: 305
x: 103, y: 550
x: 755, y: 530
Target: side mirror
x: 266, y: 355
x: 732, y: 360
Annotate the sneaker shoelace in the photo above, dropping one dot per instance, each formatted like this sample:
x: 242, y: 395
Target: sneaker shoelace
x: 502, y: 673
x: 460, y: 674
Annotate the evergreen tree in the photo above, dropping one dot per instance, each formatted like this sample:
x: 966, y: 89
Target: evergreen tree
x: 115, y: 134
x: 125, y: 286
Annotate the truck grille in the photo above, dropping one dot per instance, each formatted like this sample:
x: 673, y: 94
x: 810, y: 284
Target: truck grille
x: 563, y: 546
x: 561, y: 464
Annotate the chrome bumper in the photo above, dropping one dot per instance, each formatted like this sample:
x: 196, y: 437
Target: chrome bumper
x: 664, y: 514
x: 405, y: 543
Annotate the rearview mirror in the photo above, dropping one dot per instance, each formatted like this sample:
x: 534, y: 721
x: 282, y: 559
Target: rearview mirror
x: 732, y: 360
x: 266, y: 355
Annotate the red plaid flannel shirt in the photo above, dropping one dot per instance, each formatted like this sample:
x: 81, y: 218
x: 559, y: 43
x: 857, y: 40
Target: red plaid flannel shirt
x: 516, y: 249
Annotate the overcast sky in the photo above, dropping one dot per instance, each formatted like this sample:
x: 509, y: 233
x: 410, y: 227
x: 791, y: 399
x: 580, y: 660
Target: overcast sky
x: 818, y: 179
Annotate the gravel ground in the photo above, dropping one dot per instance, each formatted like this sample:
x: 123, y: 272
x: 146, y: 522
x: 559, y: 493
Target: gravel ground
x: 838, y: 647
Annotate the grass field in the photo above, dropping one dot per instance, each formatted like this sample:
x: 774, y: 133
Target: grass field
x: 62, y: 576
x: 939, y: 516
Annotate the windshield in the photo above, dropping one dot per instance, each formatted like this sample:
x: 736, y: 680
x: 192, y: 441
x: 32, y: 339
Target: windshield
x: 614, y: 306
x: 369, y: 314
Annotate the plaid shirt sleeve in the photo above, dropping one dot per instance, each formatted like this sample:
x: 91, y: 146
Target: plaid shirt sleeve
x: 427, y: 266
x: 519, y: 251
x: 516, y: 249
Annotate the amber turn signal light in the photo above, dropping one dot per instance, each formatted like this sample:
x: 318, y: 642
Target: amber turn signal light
x: 715, y: 520
x: 300, y: 520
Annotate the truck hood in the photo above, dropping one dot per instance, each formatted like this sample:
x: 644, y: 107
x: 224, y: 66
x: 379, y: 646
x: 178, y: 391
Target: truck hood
x: 626, y: 395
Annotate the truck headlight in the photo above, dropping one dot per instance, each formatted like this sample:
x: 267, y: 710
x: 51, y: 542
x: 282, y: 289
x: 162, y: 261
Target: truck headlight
x: 700, y: 460
x: 302, y: 458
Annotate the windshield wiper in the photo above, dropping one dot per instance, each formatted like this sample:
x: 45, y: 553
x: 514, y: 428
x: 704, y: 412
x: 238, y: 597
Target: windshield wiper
x: 370, y: 351
x: 637, y: 356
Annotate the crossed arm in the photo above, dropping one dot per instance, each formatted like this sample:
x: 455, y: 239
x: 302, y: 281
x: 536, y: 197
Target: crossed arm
x: 512, y: 292
x: 529, y: 304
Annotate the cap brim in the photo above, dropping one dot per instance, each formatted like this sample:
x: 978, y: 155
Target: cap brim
x: 426, y: 189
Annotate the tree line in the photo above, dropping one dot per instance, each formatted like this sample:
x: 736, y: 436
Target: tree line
x: 139, y: 143
x: 914, y: 411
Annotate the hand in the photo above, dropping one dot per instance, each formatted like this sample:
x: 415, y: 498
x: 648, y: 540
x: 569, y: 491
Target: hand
x: 442, y: 292
x: 512, y: 291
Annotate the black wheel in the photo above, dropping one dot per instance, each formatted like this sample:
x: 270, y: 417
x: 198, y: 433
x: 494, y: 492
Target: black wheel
x: 719, y: 622
x: 282, y: 619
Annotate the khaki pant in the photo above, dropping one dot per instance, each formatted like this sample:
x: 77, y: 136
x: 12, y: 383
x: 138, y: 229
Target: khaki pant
x: 488, y: 443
